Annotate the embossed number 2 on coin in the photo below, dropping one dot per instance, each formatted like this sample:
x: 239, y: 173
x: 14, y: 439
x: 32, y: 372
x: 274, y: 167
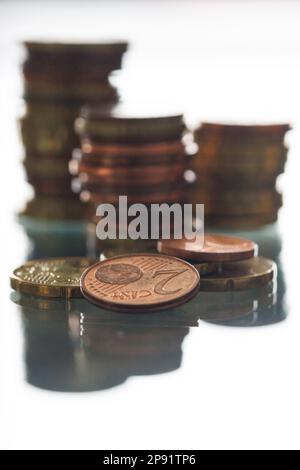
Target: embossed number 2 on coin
x: 159, y: 288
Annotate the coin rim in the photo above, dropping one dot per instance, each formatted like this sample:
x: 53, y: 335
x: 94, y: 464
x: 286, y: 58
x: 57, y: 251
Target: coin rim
x: 241, y: 282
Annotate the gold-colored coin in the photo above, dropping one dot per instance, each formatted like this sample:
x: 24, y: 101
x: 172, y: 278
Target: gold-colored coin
x: 248, y: 274
x: 53, y: 277
x: 206, y: 268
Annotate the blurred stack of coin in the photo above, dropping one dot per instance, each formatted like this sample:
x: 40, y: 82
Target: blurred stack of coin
x: 58, y: 80
x: 124, y: 153
x: 236, y: 170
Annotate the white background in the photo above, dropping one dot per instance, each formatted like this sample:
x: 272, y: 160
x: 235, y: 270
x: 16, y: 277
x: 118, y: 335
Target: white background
x: 216, y: 60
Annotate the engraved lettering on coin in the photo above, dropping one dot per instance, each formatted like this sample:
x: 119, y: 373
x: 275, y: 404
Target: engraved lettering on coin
x: 118, y: 273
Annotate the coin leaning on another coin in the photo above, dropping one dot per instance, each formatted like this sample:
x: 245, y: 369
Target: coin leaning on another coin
x: 140, y: 283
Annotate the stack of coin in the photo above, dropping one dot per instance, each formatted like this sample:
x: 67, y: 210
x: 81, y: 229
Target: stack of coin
x: 58, y: 80
x: 141, y: 156
x: 236, y: 169
x: 225, y: 263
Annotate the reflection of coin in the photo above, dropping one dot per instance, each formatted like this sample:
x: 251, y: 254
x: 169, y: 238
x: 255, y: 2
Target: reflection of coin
x: 218, y: 248
x: 53, y: 277
x: 118, y: 273
x: 165, y: 282
x: 248, y: 274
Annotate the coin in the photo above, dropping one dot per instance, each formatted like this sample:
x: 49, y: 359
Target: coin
x: 209, y: 148
x: 114, y: 150
x: 47, y: 207
x: 134, y: 176
x: 248, y: 274
x: 216, y: 248
x: 110, y: 160
x: 53, y: 277
x: 117, y: 47
x: 206, y: 268
x: 123, y: 125
x: 237, y: 202
x: 235, y: 131
x: 147, y: 198
x: 82, y: 93
x: 46, y: 167
x: 155, y: 282
x: 53, y: 186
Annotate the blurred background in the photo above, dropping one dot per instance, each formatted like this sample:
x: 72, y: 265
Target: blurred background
x: 236, y: 61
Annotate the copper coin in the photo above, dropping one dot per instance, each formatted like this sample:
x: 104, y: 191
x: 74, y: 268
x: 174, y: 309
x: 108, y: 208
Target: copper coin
x: 260, y: 132
x: 212, y: 149
x: 216, y: 248
x: 210, y: 180
x: 144, y: 198
x: 124, y: 124
x: 131, y: 176
x: 249, y: 274
x: 115, y: 150
x: 236, y: 202
x: 220, y: 164
x: 110, y: 160
x: 140, y: 282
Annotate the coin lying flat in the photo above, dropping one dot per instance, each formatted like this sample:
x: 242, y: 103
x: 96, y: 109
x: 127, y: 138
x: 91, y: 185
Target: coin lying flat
x: 125, y: 125
x: 53, y: 277
x: 140, y: 282
x: 217, y: 248
x: 206, y: 268
x: 248, y: 274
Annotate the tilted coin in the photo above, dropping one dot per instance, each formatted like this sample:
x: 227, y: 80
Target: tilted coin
x: 216, y: 248
x: 248, y: 274
x: 53, y: 277
x: 140, y: 282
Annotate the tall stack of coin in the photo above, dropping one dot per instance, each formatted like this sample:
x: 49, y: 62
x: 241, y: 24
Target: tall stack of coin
x: 236, y: 170
x: 58, y: 80
x: 140, y: 156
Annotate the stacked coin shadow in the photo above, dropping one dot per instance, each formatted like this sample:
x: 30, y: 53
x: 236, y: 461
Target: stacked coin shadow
x: 125, y: 153
x: 236, y: 170
x: 58, y: 80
